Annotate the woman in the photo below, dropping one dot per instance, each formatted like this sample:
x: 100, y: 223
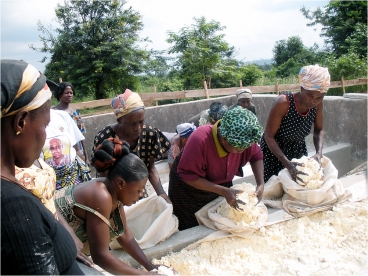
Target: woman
x: 244, y: 98
x: 60, y: 150
x: 209, y: 116
x: 145, y: 141
x: 290, y: 120
x: 95, y: 209
x: 213, y: 155
x: 64, y: 93
x: 32, y: 240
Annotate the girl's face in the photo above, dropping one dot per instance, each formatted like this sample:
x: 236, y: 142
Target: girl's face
x: 67, y: 95
x: 311, y: 98
x: 131, y: 192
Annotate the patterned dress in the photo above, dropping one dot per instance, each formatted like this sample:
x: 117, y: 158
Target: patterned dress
x: 290, y: 137
x: 151, y: 142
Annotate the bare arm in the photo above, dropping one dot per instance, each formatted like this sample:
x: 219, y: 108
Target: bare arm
x: 258, y: 171
x: 155, y: 180
x: 318, y: 133
x: 130, y: 245
x: 277, y: 112
x: 99, y: 239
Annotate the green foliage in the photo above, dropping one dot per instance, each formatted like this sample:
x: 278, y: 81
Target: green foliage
x: 343, y: 25
x: 95, y: 47
x: 201, y: 52
x: 250, y: 74
x: 286, y: 49
x: 349, y: 66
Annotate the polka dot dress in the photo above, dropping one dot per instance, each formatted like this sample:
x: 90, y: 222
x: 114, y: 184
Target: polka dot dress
x: 290, y: 136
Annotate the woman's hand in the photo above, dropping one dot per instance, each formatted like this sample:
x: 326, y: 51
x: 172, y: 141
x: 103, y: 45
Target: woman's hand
x: 318, y: 158
x: 230, y: 196
x: 154, y: 271
x: 80, y: 255
x: 294, y: 172
x: 259, y: 192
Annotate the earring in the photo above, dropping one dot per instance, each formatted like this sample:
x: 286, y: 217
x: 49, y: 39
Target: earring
x: 18, y: 132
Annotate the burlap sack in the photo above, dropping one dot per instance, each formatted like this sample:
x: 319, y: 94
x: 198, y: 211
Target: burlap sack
x: 208, y: 217
x: 151, y: 221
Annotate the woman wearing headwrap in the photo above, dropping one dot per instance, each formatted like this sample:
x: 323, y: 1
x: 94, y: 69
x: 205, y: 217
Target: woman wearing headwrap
x: 244, y: 98
x: 290, y: 120
x: 209, y: 116
x: 213, y: 155
x: 145, y: 141
x: 32, y: 240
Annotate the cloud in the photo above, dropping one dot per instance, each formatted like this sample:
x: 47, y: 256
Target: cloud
x: 252, y: 26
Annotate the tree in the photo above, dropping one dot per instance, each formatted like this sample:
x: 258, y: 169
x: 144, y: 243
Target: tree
x: 341, y: 22
x: 200, y: 50
x: 95, y: 45
x: 286, y: 49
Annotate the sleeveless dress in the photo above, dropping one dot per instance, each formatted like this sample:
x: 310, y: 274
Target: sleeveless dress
x: 65, y: 202
x: 290, y: 137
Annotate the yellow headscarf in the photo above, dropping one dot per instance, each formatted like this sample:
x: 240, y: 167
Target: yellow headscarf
x: 314, y: 77
x: 127, y: 102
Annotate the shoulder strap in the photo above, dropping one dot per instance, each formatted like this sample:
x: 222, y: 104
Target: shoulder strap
x: 93, y: 212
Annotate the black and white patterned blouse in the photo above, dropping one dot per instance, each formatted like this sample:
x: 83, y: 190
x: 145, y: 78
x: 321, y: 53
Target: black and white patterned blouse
x: 290, y: 137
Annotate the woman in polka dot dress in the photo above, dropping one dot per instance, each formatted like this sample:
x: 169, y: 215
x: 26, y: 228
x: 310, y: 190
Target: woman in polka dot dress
x: 290, y: 120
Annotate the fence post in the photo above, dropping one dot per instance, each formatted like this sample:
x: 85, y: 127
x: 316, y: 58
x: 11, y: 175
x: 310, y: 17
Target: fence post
x: 60, y: 80
x: 343, y: 85
x: 241, y: 83
x: 277, y: 88
x: 205, y: 89
x: 154, y: 90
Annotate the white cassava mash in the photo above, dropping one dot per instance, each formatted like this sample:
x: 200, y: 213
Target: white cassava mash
x: 314, y: 177
x: 163, y: 270
x: 332, y: 242
x: 249, y: 214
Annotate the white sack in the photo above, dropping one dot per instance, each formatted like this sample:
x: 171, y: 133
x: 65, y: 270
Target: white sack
x: 151, y: 221
x: 300, y: 201
x: 207, y: 216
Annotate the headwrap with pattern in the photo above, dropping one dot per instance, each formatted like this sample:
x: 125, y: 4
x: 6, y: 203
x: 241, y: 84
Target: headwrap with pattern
x: 217, y: 110
x: 240, y: 127
x: 314, y: 77
x: 23, y: 87
x: 127, y: 102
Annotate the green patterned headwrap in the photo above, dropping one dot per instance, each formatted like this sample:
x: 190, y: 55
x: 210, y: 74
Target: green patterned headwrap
x: 240, y: 127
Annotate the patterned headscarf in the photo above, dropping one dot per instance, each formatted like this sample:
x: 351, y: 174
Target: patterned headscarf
x: 185, y: 130
x: 127, y: 102
x: 314, y: 77
x: 240, y: 127
x: 217, y: 110
x: 243, y: 93
x: 23, y: 87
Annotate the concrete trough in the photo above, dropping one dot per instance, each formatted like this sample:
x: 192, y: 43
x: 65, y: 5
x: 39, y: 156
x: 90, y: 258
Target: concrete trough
x: 339, y: 155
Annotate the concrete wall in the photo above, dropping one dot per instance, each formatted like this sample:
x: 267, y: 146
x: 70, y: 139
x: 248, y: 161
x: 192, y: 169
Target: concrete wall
x: 345, y: 119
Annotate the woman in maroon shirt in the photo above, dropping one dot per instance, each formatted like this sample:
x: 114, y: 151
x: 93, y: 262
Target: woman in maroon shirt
x: 213, y: 155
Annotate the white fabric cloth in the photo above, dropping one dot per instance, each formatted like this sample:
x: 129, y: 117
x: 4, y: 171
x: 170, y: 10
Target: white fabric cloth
x: 151, y: 221
x: 63, y: 128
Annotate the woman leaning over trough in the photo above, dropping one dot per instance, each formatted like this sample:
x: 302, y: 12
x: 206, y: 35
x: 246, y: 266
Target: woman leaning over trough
x: 95, y: 209
x: 290, y: 120
x: 145, y: 141
x: 32, y: 240
x: 213, y: 155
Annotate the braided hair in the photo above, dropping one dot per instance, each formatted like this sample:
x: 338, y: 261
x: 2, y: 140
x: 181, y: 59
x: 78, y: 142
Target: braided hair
x: 114, y: 155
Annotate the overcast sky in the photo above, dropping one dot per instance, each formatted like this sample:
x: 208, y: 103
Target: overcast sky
x: 252, y: 26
